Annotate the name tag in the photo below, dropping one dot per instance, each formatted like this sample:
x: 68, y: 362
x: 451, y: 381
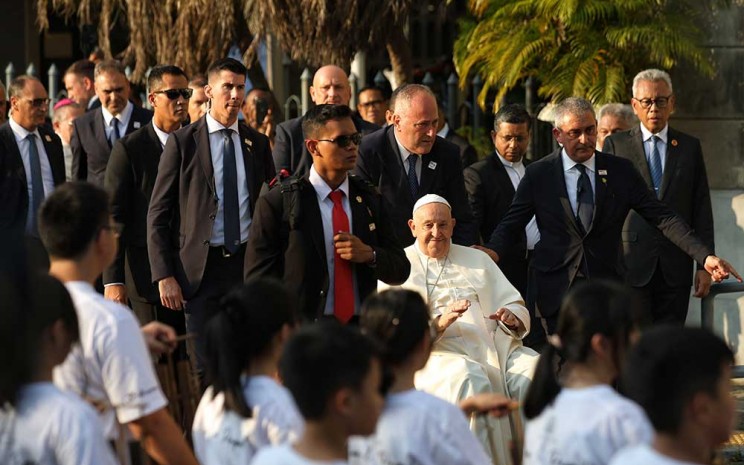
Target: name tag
x: 432, y: 165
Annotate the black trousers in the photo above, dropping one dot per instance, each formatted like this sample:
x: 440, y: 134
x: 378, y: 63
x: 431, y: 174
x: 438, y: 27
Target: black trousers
x: 664, y: 303
x: 221, y: 275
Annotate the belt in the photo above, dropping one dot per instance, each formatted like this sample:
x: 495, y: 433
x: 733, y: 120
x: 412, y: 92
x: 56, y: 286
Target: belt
x: 225, y: 253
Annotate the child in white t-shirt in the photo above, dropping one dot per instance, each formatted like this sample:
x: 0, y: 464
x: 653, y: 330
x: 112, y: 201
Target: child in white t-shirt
x: 245, y: 408
x: 39, y: 423
x: 415, y: 427
x: 682, y: 379
x: 334, y: 375
x: 575, y: 416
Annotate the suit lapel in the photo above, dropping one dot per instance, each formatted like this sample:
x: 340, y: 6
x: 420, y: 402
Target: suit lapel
x: 670, y: 166
x: 361, y: 216
x: 600, y: 186
x: 14, y: 159
x: 502, y: 177
x: 249, y: 161
x: 560, y: 180
x: 55, y: 158
x: 430, y: 166
x: 311, y: 219
x: 638, y: 154
x: 135, y: 121
x: 98, y: 128
x: 394, y: 166
x: 201, y: 136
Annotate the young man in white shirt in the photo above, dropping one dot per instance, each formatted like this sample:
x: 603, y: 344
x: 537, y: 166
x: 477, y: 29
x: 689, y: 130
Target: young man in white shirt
x: 111, y: 366
x: 682, y: 379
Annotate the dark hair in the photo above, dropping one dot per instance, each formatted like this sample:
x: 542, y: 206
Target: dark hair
x: 319, y: 115
x: 668, y: 366
x: 512, y: 114
x: 374, y: 88
x: 199, y: 80
x: 71, y: 218
x: 592, y: 307
x: 110, y: 66
x: 18, y: 85
x: 82, y: 68
x: 226, y: 64
x: 31, y: 303
x: 248, y: 319
x: 322, y: 358
x: 155, y: 78
x: 398, y: 319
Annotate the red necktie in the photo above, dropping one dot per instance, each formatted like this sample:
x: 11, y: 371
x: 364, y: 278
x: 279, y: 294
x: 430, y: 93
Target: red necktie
x: 343, y: 285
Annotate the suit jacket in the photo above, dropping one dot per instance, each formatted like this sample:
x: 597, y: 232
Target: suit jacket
x: 468, y: 155
x: 13, y: 186
x: 290, y: 152
x: 490, y: 193
x: 563, y: 250
x: 296, y: 253
x: 130, y: 179
x: 441, y: 173
x: 90, y: 146
x: 684, y: 188
x: 185, y: 187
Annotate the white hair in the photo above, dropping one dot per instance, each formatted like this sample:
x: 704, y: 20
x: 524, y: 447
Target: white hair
x: 651, y: 75
x: 619, y: 110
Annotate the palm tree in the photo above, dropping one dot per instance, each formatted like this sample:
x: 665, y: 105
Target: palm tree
x: 587, y: 48
x: 194, y: 33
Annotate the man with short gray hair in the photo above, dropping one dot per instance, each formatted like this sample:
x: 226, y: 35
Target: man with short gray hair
x: 581, y: 198
x: 612, y: 118
x: 673, y: 169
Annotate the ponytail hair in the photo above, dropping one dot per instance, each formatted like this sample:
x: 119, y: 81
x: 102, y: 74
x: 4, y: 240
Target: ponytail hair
x: 248, y: 319
x: 398, y: 319
x: 592, y: 307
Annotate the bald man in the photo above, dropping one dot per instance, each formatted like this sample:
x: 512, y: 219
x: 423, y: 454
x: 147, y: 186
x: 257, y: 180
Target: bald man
x: 330, y: 86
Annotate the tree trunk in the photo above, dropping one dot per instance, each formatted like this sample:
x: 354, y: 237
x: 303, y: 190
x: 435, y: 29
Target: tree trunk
x: 399, y: 51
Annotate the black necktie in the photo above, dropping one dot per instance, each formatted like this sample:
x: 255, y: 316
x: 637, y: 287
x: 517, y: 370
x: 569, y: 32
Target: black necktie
x: 584, y: 199
x: 37, y: 184
x: 413, y: 185
x: 115, y: 135
x: 230, y: 193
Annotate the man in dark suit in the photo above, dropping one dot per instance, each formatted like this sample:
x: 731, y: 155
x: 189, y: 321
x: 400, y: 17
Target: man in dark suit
x: 130, y: 178
x: 31, y: 164
x: 581, y: 198
x: 330, y: 85
x: 491, y: 184
x: 407, y: 160
x: 468, y: 155
x: 98, y: 130
x: 208, y: 181
x: 79, y: 82
x: 326, y: 234
x: 672, y: 166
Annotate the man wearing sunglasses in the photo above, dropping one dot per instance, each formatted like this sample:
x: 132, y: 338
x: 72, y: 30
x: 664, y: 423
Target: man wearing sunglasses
x: 672, y: 165
x: 326, y: 234
x: 130, y: 178
x: 31, y: 162
x: 95, y: 133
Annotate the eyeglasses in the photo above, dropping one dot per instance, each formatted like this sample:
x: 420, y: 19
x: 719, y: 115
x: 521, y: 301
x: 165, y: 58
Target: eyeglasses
x: 345, y: 141
x: 660, y: 102
x: 115, y: 228
x: 370, y: 103
x: 576, y: 133
x: 37, y: 102
x: 173, y: 94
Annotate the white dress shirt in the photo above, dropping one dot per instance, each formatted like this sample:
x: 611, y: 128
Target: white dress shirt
x: 571, y: 175
x: 162, y: 135
x: 443, y: 132
x: 122, y: 118
x: 216, y: 142
x: 20, y: 134
x: 516, y: 171
x: 323, y: 191
x: 648, y: 146
x: 404, y: 154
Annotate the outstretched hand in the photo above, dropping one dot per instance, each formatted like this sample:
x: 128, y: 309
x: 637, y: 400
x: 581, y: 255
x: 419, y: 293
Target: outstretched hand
x: 719, y: 268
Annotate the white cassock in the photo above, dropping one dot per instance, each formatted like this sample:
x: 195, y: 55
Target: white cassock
x: 475, y: 354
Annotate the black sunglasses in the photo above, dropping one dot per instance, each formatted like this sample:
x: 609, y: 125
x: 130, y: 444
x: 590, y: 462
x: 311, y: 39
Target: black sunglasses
x: 173, y: 94
x: 345, y: 141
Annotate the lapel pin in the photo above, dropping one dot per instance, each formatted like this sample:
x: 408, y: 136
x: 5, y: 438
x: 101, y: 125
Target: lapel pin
x: 137, y: 125
x: 604, y: 180
x: 248, y: 142
x: 359, y: 199
x: 47, y: 138
x: 602, y: 172
x: 372, y: 227
x: 432, y: 165
x: 674, y: 142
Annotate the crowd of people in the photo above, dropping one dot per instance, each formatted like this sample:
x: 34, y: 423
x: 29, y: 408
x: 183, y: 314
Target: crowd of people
x: 353, y: 286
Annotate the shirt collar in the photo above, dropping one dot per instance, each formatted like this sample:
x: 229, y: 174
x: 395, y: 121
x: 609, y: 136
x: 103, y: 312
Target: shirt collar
x: 444, y: 131
x: 213, y: 125
x: 162, y: 135
x: 646, y: 134
x: 505, y: 162
x: 425, y: 257
x: 322, y: 188
x: 568, y: 163
x: 19, y: 131
x: 404, y: 153
x: 122, y: 117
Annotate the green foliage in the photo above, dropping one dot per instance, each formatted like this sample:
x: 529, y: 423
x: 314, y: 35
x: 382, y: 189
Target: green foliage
x: 588, y: 48
x: 480, y: 140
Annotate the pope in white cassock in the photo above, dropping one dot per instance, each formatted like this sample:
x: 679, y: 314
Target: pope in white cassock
x: 481, y: 318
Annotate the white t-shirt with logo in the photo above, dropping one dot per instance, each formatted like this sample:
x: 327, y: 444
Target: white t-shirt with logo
x: 52, y: 427
x: 286, y: 455
x: 644, y: 455
x: 222, y: 437
x: 111, y: 365
x: 585, y: 427
x: 418, y: 428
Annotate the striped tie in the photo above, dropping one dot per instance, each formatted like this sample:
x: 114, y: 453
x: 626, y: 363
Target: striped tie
x: 654, y: 164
